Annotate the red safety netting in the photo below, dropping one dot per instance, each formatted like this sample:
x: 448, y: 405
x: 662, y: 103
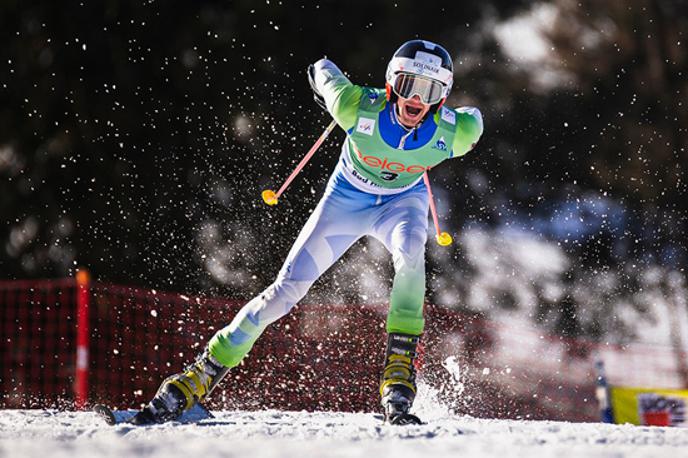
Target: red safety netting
x: 319, y: 357
x: 37, y: 329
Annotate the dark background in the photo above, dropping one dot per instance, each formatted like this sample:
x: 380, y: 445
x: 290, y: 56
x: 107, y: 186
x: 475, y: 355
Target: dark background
x: 136, y: 137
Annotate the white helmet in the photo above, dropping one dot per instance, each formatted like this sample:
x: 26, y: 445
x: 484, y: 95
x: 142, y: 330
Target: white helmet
x: 422, y: 68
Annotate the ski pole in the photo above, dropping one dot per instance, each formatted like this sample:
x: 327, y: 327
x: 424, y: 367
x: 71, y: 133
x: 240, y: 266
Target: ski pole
x: 443, y: 238
x: 269, y: 196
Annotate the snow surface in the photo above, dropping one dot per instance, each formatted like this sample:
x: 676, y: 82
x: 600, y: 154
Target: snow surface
x: 43, y: 433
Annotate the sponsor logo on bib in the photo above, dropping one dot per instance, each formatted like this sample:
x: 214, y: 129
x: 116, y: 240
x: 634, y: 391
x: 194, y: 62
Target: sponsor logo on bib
x: 385, y: 165
x: 449, y: 115
x: 366, y: 126
x: 440, y: 145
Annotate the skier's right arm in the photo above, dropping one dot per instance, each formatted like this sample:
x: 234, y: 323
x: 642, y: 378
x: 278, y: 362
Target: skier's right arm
x: 341, y: 96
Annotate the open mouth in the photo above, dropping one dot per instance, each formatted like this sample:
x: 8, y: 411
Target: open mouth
x: 412, y: 111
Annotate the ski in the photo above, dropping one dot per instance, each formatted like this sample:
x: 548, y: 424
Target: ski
x: 111, y: 417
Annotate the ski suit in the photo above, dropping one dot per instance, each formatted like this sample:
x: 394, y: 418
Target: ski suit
x: 376, y: 189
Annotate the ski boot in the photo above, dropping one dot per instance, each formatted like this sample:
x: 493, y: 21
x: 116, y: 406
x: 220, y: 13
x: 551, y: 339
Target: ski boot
x: 180, y: 392
x: 398, y: 383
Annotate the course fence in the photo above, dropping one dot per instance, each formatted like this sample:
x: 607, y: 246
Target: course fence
x: 70, y: 343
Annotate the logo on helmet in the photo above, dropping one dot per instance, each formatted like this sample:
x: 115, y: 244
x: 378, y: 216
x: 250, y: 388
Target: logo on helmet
x: 426, y: 68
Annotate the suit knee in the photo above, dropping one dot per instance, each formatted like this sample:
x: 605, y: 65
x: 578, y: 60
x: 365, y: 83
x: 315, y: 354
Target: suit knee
x: 410, y: 252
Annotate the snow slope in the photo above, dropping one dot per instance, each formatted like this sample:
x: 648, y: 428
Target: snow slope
x: 39, y: 433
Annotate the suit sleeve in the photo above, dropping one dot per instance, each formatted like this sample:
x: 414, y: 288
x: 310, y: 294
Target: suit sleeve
x: 469, y: 128
x: 341, y: 96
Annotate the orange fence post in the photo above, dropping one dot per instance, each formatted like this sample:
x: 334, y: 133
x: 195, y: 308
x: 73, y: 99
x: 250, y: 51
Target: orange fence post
x: 82, y: 338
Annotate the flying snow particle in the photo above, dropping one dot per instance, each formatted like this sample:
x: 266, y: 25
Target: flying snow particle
x: 452, y: 366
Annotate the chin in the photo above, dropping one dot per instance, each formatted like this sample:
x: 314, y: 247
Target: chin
x: 410, y: 122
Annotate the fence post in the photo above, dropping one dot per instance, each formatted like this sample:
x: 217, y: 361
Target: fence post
x: 82, y: 338
x: 602, y: 393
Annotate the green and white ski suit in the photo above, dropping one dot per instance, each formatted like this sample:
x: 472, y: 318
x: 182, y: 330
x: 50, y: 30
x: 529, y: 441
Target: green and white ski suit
x: 377, y: 190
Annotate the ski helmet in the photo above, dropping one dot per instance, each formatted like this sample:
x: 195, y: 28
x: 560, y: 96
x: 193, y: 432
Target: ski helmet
x: 423, y: 68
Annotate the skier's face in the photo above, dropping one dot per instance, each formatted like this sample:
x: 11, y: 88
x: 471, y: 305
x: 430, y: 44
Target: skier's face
x: 411, y: 111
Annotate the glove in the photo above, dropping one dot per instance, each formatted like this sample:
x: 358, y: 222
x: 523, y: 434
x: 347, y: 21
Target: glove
x: 319, y: 99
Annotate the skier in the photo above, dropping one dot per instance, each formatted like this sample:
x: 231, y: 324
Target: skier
x: 393, y: 136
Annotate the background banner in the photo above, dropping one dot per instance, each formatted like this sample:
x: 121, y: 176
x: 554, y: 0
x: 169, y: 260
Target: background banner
x: 650, y: 407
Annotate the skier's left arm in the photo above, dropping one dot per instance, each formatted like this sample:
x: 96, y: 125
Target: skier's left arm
x: 469, y: 128
x: 340, y: 96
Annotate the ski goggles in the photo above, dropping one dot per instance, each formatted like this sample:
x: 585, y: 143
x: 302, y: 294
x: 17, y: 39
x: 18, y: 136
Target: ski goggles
x: 407, y: 85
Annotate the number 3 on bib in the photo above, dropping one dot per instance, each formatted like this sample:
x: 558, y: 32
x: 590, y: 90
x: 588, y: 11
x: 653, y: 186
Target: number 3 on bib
x: 389, y: 176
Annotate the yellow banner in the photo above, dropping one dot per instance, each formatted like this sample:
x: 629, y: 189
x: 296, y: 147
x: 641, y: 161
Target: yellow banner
x: 649, y: 407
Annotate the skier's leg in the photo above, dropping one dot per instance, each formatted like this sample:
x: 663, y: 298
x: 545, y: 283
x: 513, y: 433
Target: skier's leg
x: 402, y: 227
x: 337, y: 222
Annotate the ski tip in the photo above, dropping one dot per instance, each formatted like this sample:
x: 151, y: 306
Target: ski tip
x: 105, y: 413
